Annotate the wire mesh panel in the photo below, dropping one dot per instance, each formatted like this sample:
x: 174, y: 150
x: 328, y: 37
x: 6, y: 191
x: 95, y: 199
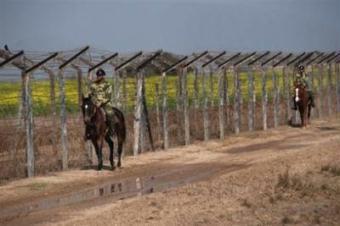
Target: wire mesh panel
x: 195, y: 103
x: 12, y: 129
x: 77, y: 155
x: 45, y: 131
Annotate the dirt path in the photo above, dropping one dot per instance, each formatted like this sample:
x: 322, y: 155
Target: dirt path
x: 275, y: 177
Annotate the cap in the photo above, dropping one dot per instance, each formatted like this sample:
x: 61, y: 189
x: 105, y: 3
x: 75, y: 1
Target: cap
x: 100, y: 72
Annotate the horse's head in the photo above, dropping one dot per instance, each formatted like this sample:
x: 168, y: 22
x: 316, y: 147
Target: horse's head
x: 299, y: 91
x: 89, y: 109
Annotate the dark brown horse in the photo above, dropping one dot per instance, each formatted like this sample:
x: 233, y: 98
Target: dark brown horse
x: 97, y: 130
x: 303, y: 103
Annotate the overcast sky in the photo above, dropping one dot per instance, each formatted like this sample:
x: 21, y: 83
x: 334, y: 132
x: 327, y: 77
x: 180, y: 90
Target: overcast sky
x: 178, y: 26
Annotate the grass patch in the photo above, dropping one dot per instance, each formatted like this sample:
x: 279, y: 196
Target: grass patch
x: 38, y: 186
x: 295, y: 182
x: 332, y: 169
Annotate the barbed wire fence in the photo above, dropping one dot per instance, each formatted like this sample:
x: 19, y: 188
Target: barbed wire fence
x: 167, y: 99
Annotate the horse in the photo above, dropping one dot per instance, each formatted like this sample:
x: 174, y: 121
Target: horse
x: 97, y: 130
x: 303, y: 103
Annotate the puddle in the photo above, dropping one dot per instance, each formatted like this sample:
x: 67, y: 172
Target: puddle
x: 122, y: 189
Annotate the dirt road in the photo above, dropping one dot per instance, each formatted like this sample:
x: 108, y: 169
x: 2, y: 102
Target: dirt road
x: 274, y: 177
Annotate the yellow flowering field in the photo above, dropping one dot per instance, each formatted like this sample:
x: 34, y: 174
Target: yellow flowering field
x: 10, y: 92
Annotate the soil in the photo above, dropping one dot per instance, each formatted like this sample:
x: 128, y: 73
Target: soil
x: 275, y: 177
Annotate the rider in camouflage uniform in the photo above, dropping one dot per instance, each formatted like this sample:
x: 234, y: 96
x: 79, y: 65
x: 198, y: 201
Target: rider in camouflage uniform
x: 304, y: 79
x: 101, y: 95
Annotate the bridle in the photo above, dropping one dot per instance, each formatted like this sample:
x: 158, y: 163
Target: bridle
x: 89, y: 111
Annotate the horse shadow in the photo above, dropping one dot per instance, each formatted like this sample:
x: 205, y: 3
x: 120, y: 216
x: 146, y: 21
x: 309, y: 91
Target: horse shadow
x: 294, y: 124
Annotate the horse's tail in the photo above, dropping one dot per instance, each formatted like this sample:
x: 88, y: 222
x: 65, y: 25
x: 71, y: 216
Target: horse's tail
x: 121, y: 131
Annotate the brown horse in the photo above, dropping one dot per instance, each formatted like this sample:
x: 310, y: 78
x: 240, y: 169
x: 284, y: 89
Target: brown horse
x: 97, y: 130
x: 303, y: 103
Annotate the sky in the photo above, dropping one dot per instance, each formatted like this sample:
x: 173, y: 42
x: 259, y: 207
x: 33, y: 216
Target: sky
x: 184, y: 26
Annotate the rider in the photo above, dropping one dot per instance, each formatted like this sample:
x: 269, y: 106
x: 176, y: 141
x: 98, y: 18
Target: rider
x: 101, y: 96
x: 303, y: 78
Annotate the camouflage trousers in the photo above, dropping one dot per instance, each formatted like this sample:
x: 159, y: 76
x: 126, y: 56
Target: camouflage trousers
x: 110, y: 118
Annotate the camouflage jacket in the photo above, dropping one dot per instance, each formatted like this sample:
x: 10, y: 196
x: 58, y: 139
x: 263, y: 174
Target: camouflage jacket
x: 305, y: 80
x: 101, y: 94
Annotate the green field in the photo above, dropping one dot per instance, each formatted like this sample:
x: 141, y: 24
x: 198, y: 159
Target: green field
x: 10, y: 92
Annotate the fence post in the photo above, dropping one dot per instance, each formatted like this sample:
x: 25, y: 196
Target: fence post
x: 205, y: 106
x: 237, y: 100
x: 319, y: 90
x: 196, y: 89
x: 275, y: 99
x: 196, y: 102
x: 146, y: 121
x: 79, y: 86
x: 157, y: 100
x: 264, y: 98
x: 312, y: 78
x: 54, y: 113
x: 329, y: 89
x: 137, y: 125
x: 251, y: 99
x: 226, y: 96
x: 337, y: 69
x: 118, y: 89
x: 211, y: 86
x: 185, y: 105
x: 286, y: 90
x: 221, y: 90
x: 124, y: 90
x: 165, y: 111
x: 179, y: 107
x: 28, y: 117
x: 296, y: 112
x: 63, y: 120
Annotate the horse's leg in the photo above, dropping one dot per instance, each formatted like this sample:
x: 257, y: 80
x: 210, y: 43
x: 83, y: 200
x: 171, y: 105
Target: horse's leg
x: 97, y: 147
x: 120, y: 151
x: 110, y: 143
x: 302, y: 113
x: 305, y: 116
x: 309, y: 112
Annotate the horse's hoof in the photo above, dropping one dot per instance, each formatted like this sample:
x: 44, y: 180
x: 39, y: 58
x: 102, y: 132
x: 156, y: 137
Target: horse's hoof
x: 113, y: 168
x: 119, y: 165
x: 100, y: 167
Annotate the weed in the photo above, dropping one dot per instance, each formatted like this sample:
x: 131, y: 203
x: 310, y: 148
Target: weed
x: 287, y: 220
x: 333, y: 169
x: 246, y: 203
x: 283, y: 180
x: 316, y: 219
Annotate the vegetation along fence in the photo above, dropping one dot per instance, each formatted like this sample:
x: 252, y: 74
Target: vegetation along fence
x: 168, y: 100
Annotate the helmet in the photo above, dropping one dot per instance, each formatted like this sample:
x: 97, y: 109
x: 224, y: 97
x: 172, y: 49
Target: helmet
x: 301, y: 68
x: 100, y: 72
